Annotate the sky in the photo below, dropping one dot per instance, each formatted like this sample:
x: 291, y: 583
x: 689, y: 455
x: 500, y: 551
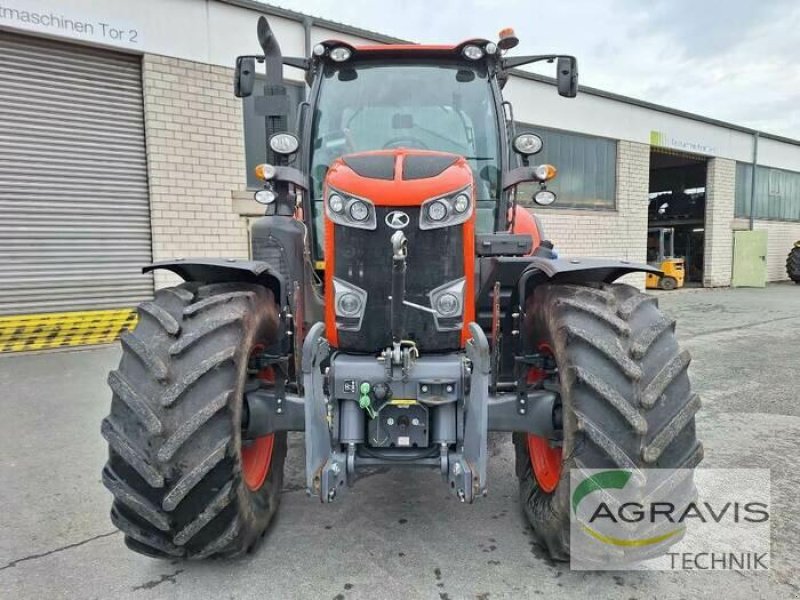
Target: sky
x: 733, y: 60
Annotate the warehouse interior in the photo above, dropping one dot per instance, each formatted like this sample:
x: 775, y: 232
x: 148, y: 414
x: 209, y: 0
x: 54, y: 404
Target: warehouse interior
x: 678, y: 201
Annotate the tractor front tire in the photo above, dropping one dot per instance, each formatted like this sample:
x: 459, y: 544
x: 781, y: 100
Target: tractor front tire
x: 793, y: 264
x: 626, y: 399
x: 184, y: 483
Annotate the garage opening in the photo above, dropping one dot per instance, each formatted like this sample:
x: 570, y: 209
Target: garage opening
x: 676, y: 217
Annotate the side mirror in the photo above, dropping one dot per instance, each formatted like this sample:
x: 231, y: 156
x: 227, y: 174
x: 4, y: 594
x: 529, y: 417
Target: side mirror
x: 245, y: 76
x: 567, y: 76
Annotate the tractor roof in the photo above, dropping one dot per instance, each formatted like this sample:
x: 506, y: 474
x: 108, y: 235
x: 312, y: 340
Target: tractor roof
x: 405, y: 50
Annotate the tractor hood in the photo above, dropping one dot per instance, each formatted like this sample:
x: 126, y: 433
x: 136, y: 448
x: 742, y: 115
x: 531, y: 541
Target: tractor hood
x: 395, y: 190
x: 399, y: 177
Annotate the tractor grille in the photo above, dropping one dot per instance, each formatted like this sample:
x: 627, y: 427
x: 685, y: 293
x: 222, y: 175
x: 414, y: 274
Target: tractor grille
x: 364, y: 258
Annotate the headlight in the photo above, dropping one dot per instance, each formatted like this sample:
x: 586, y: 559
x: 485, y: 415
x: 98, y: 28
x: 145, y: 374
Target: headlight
x: 265, y: 196
x: 336, y: 203
x: 349, y: 303
x: 447, y: 302
x: 437, y: 211
x: 472, y: 52
x: 284, y: 143
x: 359, y: 210
x: 340, y: 54
x: 527, y: 144
x: 343, y: 209
x: 544, y: 197
x: 444, y: 211
x: 447, y: 305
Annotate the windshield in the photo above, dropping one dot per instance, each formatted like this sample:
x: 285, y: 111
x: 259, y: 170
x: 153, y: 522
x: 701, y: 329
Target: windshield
x: 449, y: 108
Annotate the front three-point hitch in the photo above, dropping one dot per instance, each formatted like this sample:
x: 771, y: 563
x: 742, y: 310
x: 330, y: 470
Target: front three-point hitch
x: 398, y: 409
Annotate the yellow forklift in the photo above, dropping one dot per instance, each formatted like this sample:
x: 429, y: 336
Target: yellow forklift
x: 661, y: 254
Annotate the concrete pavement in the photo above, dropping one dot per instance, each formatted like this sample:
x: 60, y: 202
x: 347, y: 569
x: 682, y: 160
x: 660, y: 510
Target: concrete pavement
x: 396, y: 533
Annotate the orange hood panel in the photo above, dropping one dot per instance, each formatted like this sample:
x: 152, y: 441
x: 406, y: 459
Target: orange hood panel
x: 400, y: 177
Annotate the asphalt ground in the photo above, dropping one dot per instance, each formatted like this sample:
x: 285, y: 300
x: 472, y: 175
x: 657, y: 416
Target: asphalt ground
x: 398, y: 533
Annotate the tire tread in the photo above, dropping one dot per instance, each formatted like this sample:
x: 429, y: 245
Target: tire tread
x: 624, y: 381
x: 191, y: 377
x: 167, y: 322
x: 132, y: 344
x: 793, y: 264
x: 174, y: 468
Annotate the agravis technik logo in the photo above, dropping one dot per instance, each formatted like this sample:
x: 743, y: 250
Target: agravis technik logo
x: 615, y: 480
x: 715, y: 519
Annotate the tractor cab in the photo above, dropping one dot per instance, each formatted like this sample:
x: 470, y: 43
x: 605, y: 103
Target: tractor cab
x: 431, y: 101
x: 366, y: 99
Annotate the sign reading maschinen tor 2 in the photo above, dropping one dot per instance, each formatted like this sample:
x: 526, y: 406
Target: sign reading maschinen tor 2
x: 632, y: 519
x: 55, y: 21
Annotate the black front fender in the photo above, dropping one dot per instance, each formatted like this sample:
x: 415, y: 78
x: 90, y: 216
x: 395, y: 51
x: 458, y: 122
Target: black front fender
x: 222, y: 270
x: 576, y: 270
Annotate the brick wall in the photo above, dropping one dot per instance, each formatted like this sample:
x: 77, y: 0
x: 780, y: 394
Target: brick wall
x: 620, y: 233
x: 195, y: 159
x: 720, y: 199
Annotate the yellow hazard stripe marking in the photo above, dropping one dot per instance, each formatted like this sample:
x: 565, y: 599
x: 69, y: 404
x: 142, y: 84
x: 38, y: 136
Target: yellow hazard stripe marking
x: 58, y: 330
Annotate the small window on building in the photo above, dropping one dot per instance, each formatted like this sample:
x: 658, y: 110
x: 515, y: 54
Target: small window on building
x: 255, y: 131
x: 777, y: 194
x: 587, y: 168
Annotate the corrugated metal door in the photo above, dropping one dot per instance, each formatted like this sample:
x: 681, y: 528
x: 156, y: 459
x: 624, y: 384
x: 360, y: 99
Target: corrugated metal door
x: 74, y: 208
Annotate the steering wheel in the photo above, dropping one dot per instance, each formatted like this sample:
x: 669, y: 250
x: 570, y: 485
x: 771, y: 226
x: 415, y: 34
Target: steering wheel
x: 405, y: 143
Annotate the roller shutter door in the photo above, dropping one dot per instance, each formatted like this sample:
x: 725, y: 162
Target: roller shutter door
x: 74, y: 207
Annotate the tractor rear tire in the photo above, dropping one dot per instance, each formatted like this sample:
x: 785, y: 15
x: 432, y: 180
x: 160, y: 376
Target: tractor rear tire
x: 626, y: 399
x: 175, y: 452
x: 793, y: 264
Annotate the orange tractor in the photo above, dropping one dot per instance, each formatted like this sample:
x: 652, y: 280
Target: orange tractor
x: 398, y: 307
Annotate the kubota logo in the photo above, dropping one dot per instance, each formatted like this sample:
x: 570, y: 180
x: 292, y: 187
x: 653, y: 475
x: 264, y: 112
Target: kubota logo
x: 615, y: 480
x: 397, y: 219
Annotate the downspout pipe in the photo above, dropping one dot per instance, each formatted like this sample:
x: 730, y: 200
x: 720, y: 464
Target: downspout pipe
x: 753, y: 181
